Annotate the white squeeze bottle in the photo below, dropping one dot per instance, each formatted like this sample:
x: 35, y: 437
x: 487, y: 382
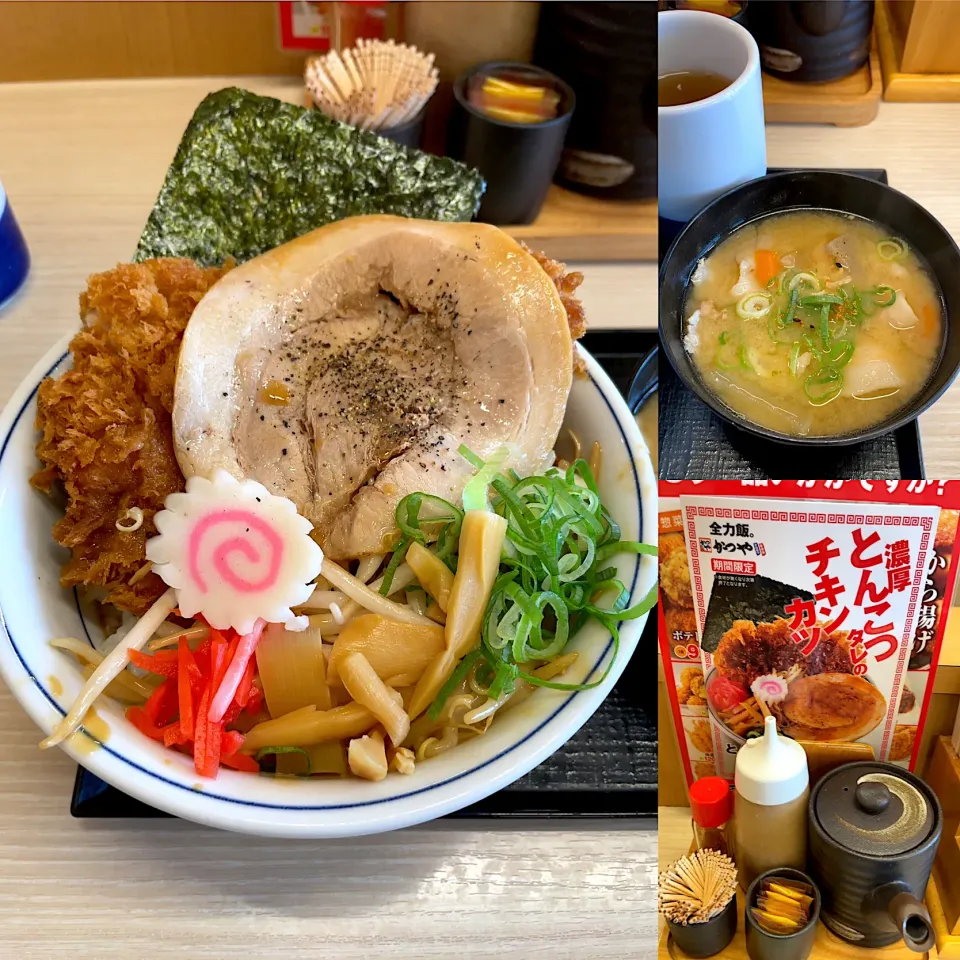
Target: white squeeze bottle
x: 770, y: 804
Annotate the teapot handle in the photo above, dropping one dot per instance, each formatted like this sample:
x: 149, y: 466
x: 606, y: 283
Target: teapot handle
x: 819, y: 17
x: 913, y: 921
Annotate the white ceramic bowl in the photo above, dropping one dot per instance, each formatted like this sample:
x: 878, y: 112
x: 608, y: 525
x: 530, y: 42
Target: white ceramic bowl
x: 34, y: 609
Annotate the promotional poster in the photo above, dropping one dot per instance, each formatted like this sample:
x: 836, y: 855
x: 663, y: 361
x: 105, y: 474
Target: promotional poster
x: 822, y: 603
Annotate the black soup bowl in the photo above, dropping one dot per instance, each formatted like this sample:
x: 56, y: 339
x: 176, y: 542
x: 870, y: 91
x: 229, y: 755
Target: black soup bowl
x: 812, y: 190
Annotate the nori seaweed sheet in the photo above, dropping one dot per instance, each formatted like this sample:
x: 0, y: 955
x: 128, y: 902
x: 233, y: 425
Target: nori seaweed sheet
x: 735, y: 597
x: 254, y: 172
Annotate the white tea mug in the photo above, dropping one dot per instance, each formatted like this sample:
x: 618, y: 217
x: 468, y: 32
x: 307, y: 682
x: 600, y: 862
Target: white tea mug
x: 707, y: 147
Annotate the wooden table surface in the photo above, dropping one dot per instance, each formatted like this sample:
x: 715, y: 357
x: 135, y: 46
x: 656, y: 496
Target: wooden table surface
x: 82, y: 164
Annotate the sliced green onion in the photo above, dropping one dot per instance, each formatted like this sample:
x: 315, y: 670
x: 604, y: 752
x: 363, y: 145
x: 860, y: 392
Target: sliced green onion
x: 554, y: 570
x: 841, y: 330
x: 626, y: 546
x: 775, y: 327
x: 883, y: 296
x: 504, y: 680
x: 273, y: 751
x: 839, y: 354
x: 754, y: 306
x: 892, y: 248
x: 794, y: 358
x: 791, y: 307
x: 442, y: 517
x: 744, y: 359
x: 453, y: 681
x: 813, y: 347
x: 819, y: 299
x: 726, y: 359
x: 724, y: 336
x: 823, y: 386
x: 805, y: 279
x: 475, y: 492
x: 470, y: 457
x: 825, y: 326
x: 399, y: 555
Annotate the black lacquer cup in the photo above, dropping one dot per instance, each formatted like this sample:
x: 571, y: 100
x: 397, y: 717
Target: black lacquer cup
x: 518, y: 160
x: 706, y: 939
x: 762, y: 945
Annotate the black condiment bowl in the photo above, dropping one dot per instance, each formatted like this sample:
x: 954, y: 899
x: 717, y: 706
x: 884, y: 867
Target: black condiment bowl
x: 518, y: 160
x: 812, y: 190
x: 762, y: 945
x: 706, y: 939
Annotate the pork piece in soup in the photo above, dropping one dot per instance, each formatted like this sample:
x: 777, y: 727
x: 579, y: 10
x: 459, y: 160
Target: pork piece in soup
x: 813, y: 323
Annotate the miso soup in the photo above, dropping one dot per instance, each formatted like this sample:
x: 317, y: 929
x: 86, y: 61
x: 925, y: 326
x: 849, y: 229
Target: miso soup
x: 813, y: 323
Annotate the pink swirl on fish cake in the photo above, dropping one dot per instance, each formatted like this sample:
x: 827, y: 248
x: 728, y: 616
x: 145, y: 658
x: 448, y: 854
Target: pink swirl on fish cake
x: 235, y: 545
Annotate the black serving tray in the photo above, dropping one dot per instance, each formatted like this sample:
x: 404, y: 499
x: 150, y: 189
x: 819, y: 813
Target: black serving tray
x: 607, y: 769
x: 695, y: 444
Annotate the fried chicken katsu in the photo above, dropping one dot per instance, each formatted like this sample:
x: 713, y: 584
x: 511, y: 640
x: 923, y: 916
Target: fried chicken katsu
x: 946, y: 529
x: 674, y: 572
x: 105, y: 423
x: 681, y: 623
x: 749, y: 650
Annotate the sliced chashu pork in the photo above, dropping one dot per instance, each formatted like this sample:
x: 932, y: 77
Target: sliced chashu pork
x: 343, y: 369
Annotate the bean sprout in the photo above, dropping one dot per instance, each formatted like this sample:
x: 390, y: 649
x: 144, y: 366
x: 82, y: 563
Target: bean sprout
x: 433, y: 746
x: 368, y: 598
x: 416, y: 602
x: 321, y: 600
x: 487, y: 709
x: 110, y: 666
x: 367, y: 567
x: 140, y: 574
x: 133, y: 513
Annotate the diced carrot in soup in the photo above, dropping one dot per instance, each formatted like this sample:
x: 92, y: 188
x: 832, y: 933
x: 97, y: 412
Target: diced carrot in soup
x: 767, y: 266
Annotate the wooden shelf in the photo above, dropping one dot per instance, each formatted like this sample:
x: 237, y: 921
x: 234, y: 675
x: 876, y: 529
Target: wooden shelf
x: 908, y: 87
x: 943, y: 892
x: 850, y: 102
x: 825, y: 947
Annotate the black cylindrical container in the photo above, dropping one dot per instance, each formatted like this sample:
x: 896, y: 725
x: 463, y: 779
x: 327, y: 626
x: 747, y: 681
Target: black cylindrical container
x: 608, y: 53
x: 874, y: 830
x: 762, y: 945
x: 518, y: 160
x: 406, y: 134
x: 812, y: 41
x: 709, y: 938
x: 738, y: 13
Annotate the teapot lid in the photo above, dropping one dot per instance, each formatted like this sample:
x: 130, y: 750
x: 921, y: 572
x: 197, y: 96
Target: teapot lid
x: 874, y: 808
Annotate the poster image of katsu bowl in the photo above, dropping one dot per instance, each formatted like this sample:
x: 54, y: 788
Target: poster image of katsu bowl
x: 808, y: 611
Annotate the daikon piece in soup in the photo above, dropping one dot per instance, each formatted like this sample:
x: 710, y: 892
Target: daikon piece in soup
x: 813, y: 323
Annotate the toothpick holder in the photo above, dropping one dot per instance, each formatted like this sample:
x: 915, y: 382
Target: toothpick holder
x: 706, y: 939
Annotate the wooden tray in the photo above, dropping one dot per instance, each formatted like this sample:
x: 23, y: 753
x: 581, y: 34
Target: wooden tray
x: 825, y: 947
x: 908, y: 87
x: 572, y: 226
x: 850, y: 102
